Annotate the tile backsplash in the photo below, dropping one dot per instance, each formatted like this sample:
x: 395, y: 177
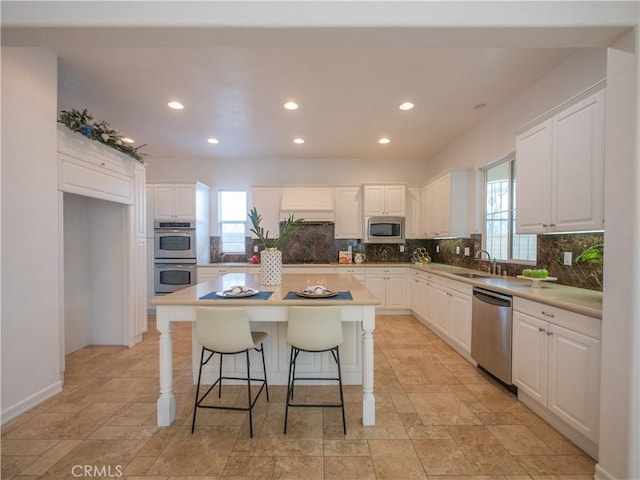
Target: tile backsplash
x: 314, y: 243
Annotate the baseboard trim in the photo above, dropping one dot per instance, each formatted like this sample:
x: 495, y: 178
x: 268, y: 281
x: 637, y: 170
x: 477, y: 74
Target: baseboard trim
x: 602, y: 474
x: 30, y: 402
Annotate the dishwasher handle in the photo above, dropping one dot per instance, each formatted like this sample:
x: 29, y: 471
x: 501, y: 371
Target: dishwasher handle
x: 492, y: 298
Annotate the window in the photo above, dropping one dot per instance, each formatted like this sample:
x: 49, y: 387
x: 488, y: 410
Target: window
x: 500, y: 239
x: 232, y: 207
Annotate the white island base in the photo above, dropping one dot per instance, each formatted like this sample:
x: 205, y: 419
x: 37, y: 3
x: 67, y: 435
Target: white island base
x: 358, y: 317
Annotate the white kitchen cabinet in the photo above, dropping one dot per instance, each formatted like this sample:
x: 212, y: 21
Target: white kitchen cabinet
x: 91, y: 169
x: 348, y: 213
x: 306, y: 198
x: 140, y: 200
x: 444, y: 305
x: 384, y: 200
x: 556, y: 366
x: 208, y: 272
x: 560, y: 167
x: 140, y: 295
x: 358, y: 272
x: 266, y: 200
x: 420, y: 292
x: 150, y: 208
x: 389, y: 284
x: 413, y: 224
x: 174, y: 201
x: 447, y: 205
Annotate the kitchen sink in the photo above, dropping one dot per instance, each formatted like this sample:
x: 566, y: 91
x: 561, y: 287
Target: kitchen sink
x: 471, y: 275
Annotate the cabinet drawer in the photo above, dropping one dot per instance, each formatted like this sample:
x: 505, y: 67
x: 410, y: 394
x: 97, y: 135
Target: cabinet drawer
x: 351, y: 270
x: 92, y: 153
x: 386, y: 271
x: 573, y: 321
x: 461, y: 287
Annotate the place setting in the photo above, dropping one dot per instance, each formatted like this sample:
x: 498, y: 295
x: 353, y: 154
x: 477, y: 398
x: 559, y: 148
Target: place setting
x: 318, y: 292
x: 238, y: 291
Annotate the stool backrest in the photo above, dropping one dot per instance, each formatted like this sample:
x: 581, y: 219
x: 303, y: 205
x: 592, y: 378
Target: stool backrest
x: 314, y: 328
x: 224, y: 330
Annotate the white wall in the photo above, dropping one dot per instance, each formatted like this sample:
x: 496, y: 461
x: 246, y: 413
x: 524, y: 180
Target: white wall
x: 620, y: 384
x: 243, y: 173
x: 29, y: 317
x: 77, y: 273
x: 493, y: 139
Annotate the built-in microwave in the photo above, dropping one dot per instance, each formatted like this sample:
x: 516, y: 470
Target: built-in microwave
x: 384, y: 230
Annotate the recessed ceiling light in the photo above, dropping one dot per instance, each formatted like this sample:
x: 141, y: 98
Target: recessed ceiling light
x: 384, y: 140
x: 213, y: 140
x: 298, y: 141
x: 406, y: 106
x: 175, y: 105
x: 291, y: 106
x: 128, y: 140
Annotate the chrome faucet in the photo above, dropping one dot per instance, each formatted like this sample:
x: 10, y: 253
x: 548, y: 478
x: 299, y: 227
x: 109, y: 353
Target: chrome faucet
x: 479, y: 254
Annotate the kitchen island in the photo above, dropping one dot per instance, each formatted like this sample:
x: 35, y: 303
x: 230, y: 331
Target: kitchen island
x: 358, y: 315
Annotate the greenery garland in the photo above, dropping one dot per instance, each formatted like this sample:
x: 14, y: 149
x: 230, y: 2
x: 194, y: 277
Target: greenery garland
x: 99, y: 131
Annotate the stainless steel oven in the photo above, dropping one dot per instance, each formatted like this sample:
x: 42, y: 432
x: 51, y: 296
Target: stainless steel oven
x: 174, y: 240
x: 171, y: 277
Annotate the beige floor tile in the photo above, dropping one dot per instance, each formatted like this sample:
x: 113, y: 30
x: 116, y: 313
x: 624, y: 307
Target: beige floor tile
x: 395, y: 459
x: 349, y: 468
x: 484, y: 451
x: 299, y: 467
x: 519, y: 440
x: 442, y: 409
x: 442, y: 457
x: 346, y: 448
x: 557, y: 464
x: 457, y: 424
x: 50, y: 457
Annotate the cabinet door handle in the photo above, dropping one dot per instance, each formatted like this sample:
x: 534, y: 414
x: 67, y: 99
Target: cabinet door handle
x: 540, y: 329
x: 449, y: 294
x: 550, y: 315
x: 545, y: 225
x: 549, y: 333
x: 552, y: 224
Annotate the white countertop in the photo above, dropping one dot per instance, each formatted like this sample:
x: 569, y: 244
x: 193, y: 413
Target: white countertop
x: 579, y: 300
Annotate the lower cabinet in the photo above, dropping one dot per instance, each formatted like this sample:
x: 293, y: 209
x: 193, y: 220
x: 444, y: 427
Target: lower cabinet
x: 445, y: 305
x: 389, y: 284
x: 207, y: 273
x: 557, y: 365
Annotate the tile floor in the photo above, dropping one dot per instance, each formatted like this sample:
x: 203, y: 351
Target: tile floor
x: 437, y: 418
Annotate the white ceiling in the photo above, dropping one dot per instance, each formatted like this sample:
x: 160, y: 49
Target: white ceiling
x: 348, y: 81
x: 348, y: 97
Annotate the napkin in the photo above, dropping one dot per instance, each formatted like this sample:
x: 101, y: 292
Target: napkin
x: 317, y: 290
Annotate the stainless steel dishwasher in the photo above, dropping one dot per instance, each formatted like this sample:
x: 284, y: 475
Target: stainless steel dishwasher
x: 491, y: 328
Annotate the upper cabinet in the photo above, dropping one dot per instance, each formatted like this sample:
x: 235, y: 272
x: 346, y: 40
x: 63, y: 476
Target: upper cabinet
x: 306, y: 198
x: 92, y: 169
x: 382, y: 200
x: 348, y: 212
x: 174, y: 201
x: 412, y: 219
x: 560, y: 170
x: 446, y: 205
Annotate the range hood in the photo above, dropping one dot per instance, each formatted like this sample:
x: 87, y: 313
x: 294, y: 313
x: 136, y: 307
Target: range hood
x: 309, y: 216
x: 313, y: 204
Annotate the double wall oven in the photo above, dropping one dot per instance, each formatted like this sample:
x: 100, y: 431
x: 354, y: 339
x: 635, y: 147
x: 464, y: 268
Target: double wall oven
x: 175, y: 255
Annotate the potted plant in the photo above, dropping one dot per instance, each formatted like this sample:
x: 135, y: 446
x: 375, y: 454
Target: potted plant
x: 271, y: 257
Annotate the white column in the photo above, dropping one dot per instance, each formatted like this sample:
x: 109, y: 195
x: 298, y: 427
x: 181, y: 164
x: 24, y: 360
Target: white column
x: 167, y: 401
x: 620, y: 383
x: 368, y: 399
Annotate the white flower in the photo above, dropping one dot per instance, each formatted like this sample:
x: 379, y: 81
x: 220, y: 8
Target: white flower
x: 105, y: 136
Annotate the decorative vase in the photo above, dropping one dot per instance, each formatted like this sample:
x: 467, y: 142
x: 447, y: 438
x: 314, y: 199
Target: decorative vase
x: 271, y: 266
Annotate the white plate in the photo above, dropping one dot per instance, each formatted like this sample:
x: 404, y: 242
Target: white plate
x: 535, y: 282
x: 250, y: 293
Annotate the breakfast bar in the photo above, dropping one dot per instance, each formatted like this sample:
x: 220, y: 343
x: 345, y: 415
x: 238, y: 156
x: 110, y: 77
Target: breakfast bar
x: 269, y: 308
